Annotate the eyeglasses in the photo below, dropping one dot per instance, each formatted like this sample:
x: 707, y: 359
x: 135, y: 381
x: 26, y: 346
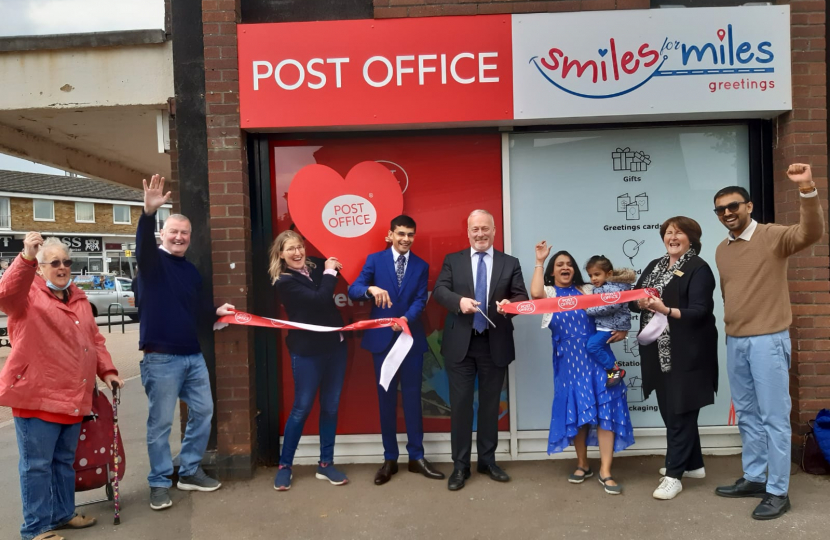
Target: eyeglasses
x: 732, y: 207
x: 57, y: 264
x: 293, y: 249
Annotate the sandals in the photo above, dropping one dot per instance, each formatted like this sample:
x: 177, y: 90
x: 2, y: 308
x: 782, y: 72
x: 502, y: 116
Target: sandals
x: 611, y: 490
x: 579, y: 478
x: 78, y: 521
x: 49, y: 535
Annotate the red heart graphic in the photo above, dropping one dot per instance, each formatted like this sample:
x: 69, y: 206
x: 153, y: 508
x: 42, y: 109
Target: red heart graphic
x: 345, y: 218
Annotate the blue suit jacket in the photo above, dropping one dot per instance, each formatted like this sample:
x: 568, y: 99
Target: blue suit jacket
x: 408, y: 300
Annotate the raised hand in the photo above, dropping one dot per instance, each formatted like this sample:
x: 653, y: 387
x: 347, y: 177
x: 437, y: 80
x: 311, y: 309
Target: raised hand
x: 31, y: 244
x: 542, y: 251
x: 333, y: 264
x: 154, y: 195
x: 800, y: 173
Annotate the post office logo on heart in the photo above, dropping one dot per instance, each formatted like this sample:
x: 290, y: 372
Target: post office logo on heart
x: 347, y: 217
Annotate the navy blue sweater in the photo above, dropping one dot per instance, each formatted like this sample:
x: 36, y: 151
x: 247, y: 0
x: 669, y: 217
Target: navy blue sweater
x: 171, y: 302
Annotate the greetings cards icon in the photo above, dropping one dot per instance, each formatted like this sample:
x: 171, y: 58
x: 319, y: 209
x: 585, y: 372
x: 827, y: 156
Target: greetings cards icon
x: 632, y: 212
x: 347, y: 217
x: 632, y: 208
x: 622, y: 202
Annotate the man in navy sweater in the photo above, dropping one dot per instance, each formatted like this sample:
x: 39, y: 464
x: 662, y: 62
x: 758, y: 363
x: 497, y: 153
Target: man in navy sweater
x: 172, y: 308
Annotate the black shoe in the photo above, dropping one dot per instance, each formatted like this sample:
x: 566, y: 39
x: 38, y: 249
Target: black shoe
x: 385, y: 472
x: 742, y: 488
x: 457, y: 478
x: 494, y: 471
x: 771, y: 507
x: 426, y: 468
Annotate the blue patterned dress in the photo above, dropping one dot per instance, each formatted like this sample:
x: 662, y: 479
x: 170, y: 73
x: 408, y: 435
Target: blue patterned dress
x: 580, y: 396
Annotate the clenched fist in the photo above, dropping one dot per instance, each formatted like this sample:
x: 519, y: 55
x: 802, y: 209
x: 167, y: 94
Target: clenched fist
x: 800, y: 173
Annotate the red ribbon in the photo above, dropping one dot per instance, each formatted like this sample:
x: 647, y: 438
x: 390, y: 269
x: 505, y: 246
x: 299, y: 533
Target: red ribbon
x: 559, y: 304
x: 391, y: 363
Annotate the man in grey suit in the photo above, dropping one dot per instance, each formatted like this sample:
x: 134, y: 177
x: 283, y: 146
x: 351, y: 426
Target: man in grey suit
x: 473, y: 285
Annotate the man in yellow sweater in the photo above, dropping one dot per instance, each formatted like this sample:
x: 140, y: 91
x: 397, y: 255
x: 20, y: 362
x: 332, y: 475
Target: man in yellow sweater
x: 752, y: 262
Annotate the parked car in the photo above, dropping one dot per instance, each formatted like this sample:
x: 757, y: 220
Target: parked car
x: 104, y: 290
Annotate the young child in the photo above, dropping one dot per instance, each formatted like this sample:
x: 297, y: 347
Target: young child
x: 611, y: 317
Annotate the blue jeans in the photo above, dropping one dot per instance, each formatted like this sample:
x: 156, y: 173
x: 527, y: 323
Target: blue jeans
x: 758, y: 368
x: 325, y: 372
x: 410, y: 375
x: 47, y: 473
x: 599, y: 349
x: 166, y: 379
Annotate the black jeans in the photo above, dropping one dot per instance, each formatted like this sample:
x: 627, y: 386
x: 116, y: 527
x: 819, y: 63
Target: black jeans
x: 683, y: 451
x: 462, y: 377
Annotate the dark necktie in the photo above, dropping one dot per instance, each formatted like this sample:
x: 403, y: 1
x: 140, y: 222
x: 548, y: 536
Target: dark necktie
x: 479, y: 322
x: 400, y: 268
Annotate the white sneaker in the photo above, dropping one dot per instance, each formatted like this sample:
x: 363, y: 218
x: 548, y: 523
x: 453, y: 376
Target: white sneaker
x: 697, y: 473
x: 668, y: 489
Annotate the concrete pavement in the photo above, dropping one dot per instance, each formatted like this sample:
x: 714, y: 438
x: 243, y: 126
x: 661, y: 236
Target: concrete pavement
x: 537, y: 503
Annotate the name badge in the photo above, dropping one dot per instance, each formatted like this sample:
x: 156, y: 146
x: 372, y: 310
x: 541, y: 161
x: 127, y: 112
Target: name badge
x: 678, y: 273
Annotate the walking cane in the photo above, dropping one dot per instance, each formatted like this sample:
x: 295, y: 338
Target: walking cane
x: 116, y: 398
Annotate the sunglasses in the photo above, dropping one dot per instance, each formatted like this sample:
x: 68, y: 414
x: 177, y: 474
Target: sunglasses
x: 57, y: 264
x: 732, y: 207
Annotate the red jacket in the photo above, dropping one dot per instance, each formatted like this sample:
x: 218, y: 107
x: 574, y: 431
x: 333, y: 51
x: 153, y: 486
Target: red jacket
x: 57, y: 348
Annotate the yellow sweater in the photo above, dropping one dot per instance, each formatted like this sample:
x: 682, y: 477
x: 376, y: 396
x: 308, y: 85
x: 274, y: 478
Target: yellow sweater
x: 753, y: 274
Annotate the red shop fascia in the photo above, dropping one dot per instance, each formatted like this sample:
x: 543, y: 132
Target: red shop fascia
x: 432, y: 99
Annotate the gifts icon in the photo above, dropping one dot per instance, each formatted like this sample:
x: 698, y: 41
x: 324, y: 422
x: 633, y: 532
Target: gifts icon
x: 640, y: 162
x: 624, y: 159
x: 632, y: 209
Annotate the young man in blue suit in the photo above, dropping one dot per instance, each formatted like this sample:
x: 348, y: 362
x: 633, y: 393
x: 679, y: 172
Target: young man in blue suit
x: 396, y: 280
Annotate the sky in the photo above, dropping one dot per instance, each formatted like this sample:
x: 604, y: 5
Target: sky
x: 37, y: 17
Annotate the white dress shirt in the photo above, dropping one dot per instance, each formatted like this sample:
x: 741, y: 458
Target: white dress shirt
x: 395, y: 256
x: 488, y: 262
x: 746, y: 235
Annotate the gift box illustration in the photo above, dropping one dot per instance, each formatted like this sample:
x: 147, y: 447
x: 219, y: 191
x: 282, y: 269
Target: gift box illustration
x: 624, y: 159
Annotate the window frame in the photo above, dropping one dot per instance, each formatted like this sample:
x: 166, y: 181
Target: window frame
x: 34, y: 209
x: 129, y: 215
x: 84, y: 220
x: 8, y: 206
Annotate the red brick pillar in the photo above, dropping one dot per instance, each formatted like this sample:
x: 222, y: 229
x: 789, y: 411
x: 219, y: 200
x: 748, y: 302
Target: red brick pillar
x: 801, y: 136
x: 230, y: 228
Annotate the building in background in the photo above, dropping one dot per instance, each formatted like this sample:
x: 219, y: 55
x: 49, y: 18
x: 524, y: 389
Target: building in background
x: 95, y: 219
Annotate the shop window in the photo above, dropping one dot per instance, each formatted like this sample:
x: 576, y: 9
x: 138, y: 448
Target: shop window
x: 84, y: 212
x: 121, y: 214
x: 607, y: 193
x: 161, y: 217
x: 5, y: 213
x: 43, y: 210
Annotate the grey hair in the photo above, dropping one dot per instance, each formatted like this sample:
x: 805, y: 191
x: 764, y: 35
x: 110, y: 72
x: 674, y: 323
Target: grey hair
x: 480, y: 211
x: 177, y: 217
x: 49, y: 243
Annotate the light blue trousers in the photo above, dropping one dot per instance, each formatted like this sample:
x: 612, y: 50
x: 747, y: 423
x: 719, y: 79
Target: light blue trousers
x: 758, y: 368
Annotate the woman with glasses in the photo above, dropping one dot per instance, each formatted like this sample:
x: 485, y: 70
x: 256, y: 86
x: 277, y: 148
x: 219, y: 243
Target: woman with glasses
x: 48, y: 380
x: 318, y: 359
x: 681, y: 365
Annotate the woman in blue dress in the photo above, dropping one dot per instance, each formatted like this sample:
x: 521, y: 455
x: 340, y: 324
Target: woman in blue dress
x: 585, y: 412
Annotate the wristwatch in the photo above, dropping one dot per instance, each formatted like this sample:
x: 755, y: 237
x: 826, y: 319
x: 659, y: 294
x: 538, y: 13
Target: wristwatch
x: 807, y: 189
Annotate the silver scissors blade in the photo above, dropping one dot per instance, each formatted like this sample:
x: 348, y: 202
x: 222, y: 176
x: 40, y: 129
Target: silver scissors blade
x: 486, y: 317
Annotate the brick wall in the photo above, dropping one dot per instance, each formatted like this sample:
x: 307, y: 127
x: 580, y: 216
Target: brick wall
x: 230, y: 211
x: 801, y: 135
x: 22, y: 212
x: 435, y: 8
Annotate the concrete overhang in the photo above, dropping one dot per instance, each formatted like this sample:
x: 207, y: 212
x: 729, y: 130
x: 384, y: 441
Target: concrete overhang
x: 88, y: 103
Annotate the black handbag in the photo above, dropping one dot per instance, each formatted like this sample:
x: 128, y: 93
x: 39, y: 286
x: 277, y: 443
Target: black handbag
x: 812, y: 458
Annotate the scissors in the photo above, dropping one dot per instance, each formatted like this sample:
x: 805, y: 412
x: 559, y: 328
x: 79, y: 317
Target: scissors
x: 486, y: 317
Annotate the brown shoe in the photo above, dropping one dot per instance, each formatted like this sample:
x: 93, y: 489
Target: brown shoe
x: 426, y: 468
x: 385, y: 472
x: 78, y: 522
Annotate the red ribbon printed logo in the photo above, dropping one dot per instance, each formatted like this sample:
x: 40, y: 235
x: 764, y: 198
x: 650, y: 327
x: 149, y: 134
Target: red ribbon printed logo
x: 570, y: 303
